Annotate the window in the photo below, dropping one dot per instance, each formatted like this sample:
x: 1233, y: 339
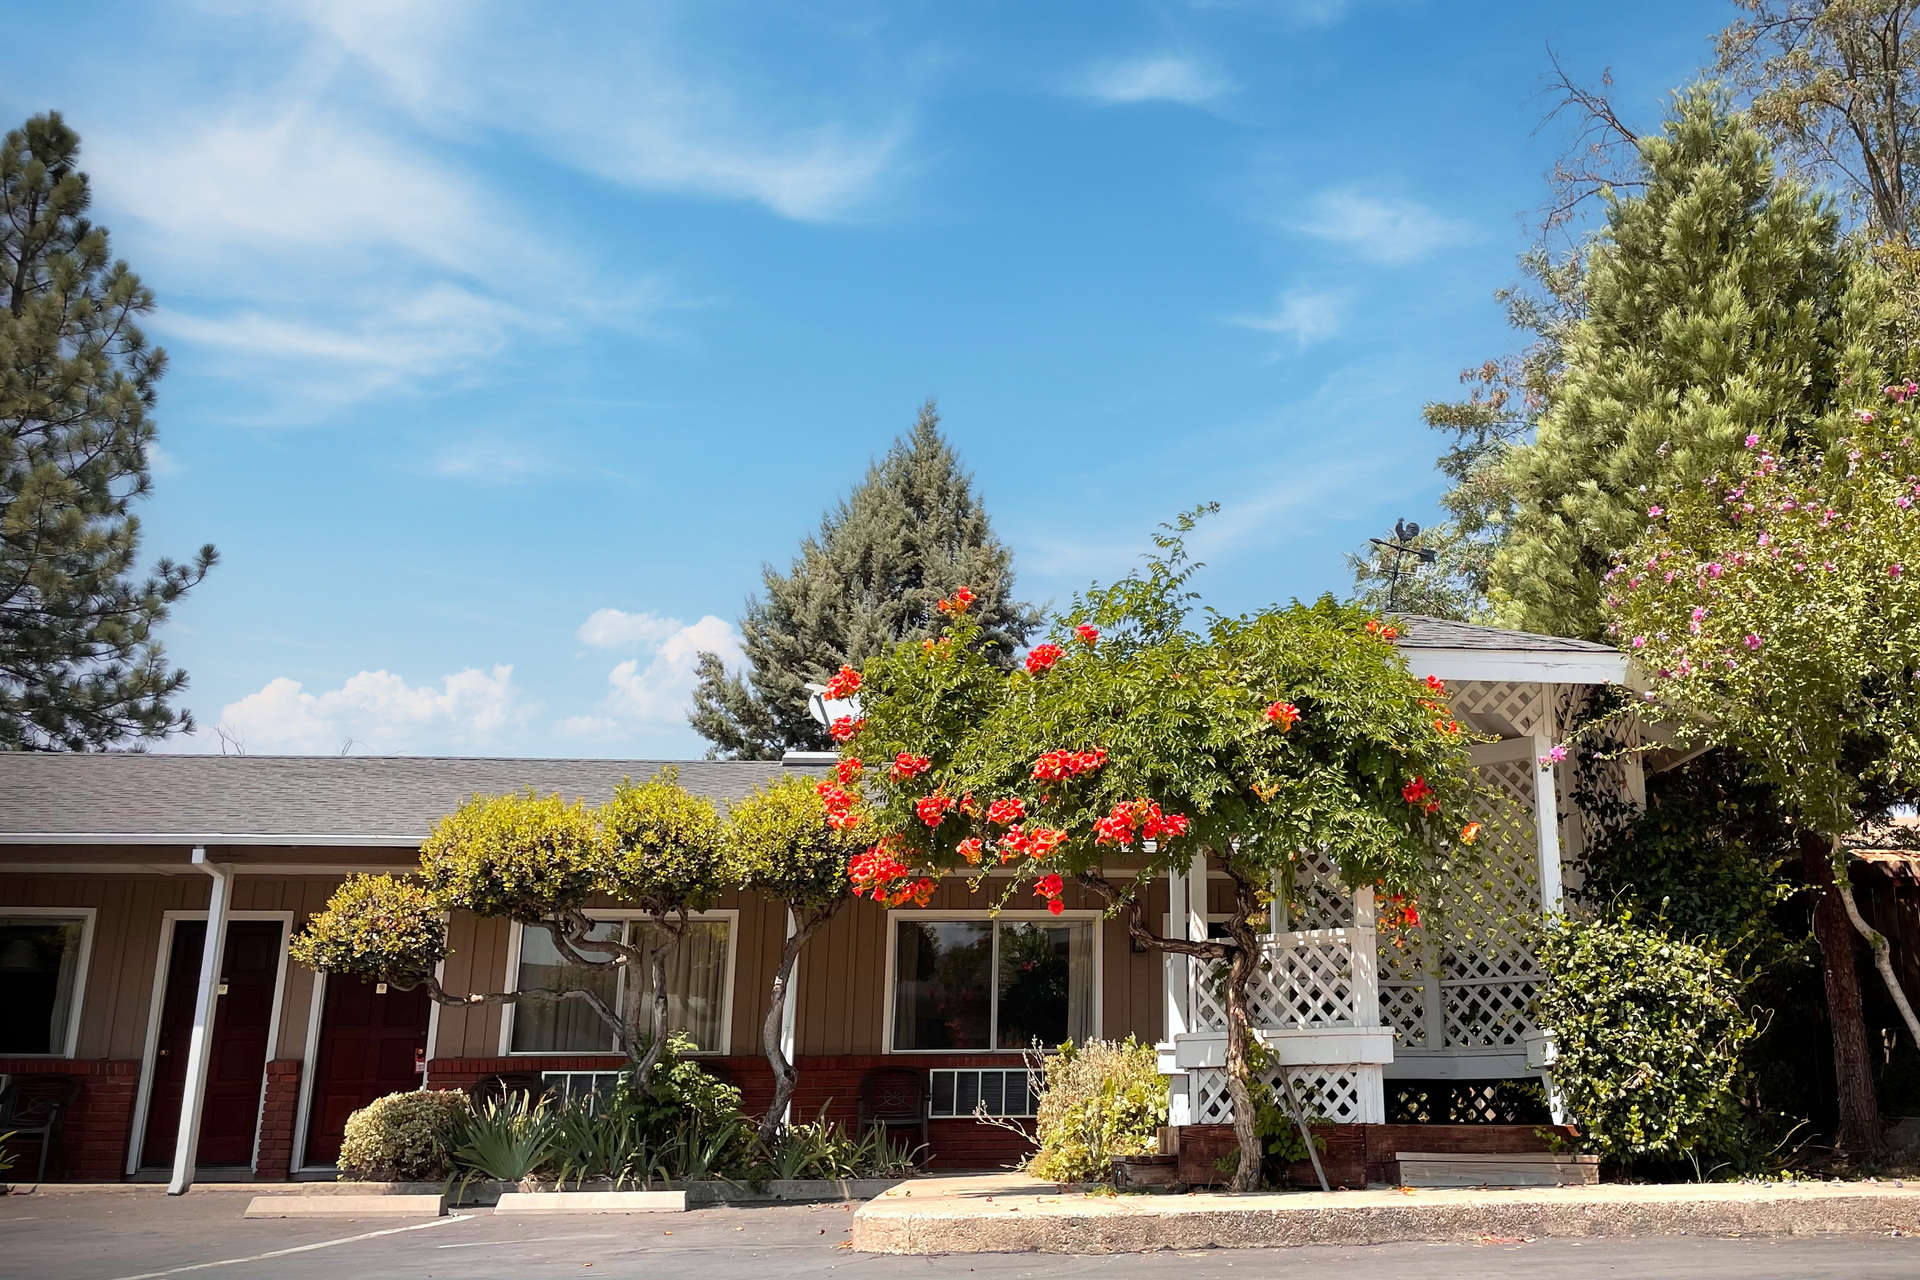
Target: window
x: 977, y: 984
x: 697, y: 986
x: 42, y: 964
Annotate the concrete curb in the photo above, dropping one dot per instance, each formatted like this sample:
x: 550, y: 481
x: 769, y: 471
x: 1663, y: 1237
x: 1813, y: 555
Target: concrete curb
x: 556, y: 1202
x: 347, y: 1206
x: 1015, y: 1218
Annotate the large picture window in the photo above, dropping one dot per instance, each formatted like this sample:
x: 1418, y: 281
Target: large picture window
x: 978, y: 984
x: 42, y: 962
x: 697, y: 971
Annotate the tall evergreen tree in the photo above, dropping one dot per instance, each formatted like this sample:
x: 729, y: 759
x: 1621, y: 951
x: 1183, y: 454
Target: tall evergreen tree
x: 79, y: 667
x: 911, y: 533
x: 1714, y: 311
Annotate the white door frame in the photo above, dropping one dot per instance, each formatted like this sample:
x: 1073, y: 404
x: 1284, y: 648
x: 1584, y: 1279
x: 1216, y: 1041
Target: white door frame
x: 143, y: 1095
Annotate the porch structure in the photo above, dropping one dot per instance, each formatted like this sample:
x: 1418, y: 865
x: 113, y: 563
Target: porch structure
x: 1427, y: 1025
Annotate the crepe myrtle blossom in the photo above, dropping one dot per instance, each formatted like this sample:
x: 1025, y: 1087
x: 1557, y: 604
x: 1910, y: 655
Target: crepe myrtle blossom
x: 1655, y: 511
x: 1753, y: 441
x: 1752, y: 640
x: 1555, y: 754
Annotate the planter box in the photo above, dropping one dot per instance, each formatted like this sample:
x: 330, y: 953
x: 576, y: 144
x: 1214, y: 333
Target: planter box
x: 1511, y: 1169
x: 1142, y: 1173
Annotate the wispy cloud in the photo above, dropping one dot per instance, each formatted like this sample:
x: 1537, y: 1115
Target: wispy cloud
x: 1299, y: 13
x: 1379, y: 228
x: 488, y: 461
x: 1152, y: 78
x: 1305, y: 316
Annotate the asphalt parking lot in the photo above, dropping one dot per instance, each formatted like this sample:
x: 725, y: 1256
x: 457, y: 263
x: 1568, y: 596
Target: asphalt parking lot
x: 143, y: 1236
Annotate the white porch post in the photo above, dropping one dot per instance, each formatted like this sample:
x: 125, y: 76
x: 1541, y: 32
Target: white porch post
x: 1174, y: 971
x: 1186, y: 917
x: 205, y: 1009
x: 790, y: 1007
x: 1546, y: 821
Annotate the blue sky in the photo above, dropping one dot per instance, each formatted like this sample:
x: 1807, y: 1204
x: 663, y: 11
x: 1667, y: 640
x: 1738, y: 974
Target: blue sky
x: 505, y: 348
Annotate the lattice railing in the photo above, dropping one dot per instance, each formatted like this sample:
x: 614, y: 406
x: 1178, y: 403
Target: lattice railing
x: 1499, y: 707
x: 1305, y: 979
x: 1342, y: 1095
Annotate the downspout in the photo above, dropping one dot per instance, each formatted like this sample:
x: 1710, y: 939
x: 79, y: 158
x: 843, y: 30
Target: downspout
x: 205, y: 1008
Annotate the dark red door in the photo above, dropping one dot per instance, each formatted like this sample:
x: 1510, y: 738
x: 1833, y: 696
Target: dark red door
x: 237, y: 1053
x: 372, y: 1043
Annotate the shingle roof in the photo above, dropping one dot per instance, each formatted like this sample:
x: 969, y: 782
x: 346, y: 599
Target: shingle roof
x: 1417, y: 631
x: 337, y: 797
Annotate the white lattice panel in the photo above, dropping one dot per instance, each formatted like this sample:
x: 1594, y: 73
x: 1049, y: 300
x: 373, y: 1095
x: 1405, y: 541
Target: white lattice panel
x: 1318, y: 898
x: 1403, y: 1006
x: 1304, y: 980
x: 1478, y: 952
x: 1342, y: 1095
x: 1498, y: 706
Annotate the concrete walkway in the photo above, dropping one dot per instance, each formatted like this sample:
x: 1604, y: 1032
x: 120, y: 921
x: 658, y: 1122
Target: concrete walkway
x: 995, y: 1213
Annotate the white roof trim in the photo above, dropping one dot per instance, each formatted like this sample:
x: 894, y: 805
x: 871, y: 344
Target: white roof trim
x: 195, y: 838
x: 1542, y: 666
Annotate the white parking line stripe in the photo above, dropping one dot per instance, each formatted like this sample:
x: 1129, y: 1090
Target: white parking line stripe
x: 304, y: 1248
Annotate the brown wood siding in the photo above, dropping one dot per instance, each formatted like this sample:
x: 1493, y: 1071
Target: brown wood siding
x: 129, y: 913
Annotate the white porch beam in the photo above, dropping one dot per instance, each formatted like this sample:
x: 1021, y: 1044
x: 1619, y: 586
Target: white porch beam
x: 1173, y: 969
x: 1533, y: 666
x: 206, y: 1006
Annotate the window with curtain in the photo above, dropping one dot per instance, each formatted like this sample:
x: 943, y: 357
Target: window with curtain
x: 696, y: 989
x: 991, y: 984
x: 39, y: 972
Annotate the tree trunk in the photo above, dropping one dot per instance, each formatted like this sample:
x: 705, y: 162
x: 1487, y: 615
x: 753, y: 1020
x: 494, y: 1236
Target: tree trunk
x: 1859, y: 1129
x: 785, y: 1076
x: 656, y: 1021
x: 1876, y: 943
x: 1246, y: 1177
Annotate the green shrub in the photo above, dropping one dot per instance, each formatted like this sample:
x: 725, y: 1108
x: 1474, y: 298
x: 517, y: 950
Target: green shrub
x: 1098, y: 1100
x: 404, y: 1137
x: 1648, y: 1031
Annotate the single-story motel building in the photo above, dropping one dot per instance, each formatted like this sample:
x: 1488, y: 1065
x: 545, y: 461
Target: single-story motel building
x: 113, y: 865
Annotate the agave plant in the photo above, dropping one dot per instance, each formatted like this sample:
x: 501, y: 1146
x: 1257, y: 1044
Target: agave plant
x: 509, y: 1139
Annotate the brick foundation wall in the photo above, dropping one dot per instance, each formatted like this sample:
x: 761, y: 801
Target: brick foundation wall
x: 1359, y: 1154
x: 278, y: 1110
x: 829, y: 1083
x: 91, y: 1142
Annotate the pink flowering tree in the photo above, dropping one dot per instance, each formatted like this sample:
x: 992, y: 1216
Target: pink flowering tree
x: 1140, y: 732
x: 1775, y: 608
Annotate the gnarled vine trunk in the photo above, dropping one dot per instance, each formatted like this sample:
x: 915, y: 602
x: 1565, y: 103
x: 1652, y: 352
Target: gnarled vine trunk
x: 1246, y: 1133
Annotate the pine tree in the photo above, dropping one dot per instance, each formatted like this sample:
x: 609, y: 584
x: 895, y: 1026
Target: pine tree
x: 79, y: 668
x: 910, y: 534
x: 1719, y: 304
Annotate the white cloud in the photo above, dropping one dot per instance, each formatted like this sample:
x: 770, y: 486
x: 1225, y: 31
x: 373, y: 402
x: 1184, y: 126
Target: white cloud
x: 618, y: 629
x: 489, y: 462
x: 661, y: 689
x: 1154, y: 78
x: 1304, y: 315
x: 654, y: 687
x: 378, y: 711
x: 1379, y: 228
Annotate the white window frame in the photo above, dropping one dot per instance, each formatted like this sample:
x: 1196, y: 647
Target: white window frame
x: 894, y: 917
x: 731, y: 915
x: 70, y: 1043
